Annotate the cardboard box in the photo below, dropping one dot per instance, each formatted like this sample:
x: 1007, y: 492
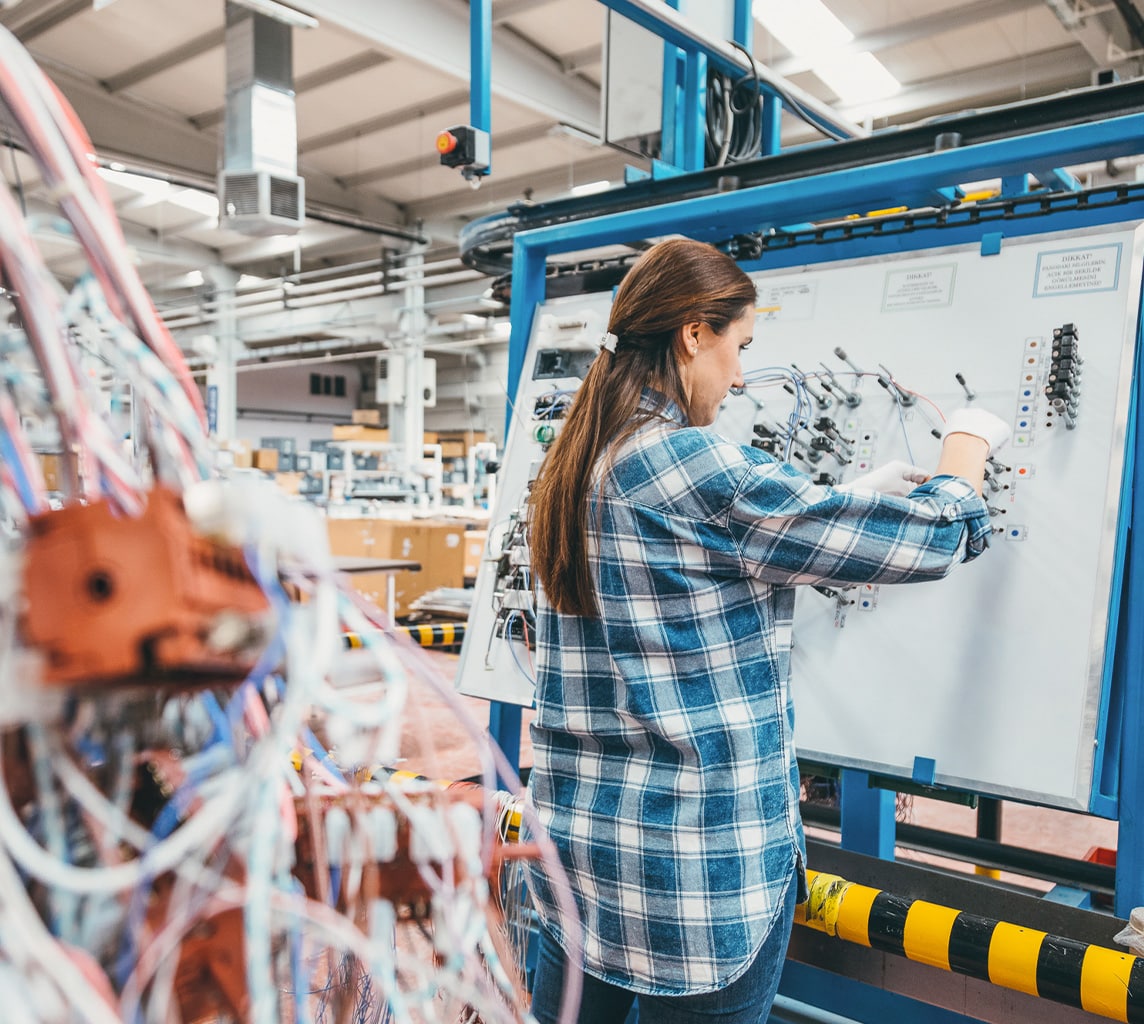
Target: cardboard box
x: 367, y: 417
x: 266, y: 459
x: 359, y: 432
x: 475, y: 542
x: 437, y: 546
x: 53, y: 476
x: 243, y: 458
x: 291, y: 483
x: 452, y: 449
x: 466, y: 437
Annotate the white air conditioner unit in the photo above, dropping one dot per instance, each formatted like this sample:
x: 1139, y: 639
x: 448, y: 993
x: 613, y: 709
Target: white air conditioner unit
x: 261, y: 202
x: 390, y: 379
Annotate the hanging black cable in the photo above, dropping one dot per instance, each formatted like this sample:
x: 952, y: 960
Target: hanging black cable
x: 1132, y: 19
x: 734, y: 117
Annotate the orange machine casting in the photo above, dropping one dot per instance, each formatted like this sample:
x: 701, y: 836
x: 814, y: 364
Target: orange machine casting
x: 115, y: 599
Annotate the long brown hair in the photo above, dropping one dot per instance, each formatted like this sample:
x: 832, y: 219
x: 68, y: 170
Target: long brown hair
x: 674, y: 283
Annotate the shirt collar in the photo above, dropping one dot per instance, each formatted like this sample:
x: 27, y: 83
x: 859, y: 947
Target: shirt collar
x: 658, y: 402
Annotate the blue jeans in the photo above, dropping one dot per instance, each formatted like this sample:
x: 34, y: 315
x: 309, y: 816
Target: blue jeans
x: 745, y: 1001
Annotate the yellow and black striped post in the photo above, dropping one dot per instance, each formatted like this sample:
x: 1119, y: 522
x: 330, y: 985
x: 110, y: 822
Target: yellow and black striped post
x: 440, y: 634
x: 1103, y: 981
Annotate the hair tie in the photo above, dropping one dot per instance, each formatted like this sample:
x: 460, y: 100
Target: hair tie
x: 608, y: 341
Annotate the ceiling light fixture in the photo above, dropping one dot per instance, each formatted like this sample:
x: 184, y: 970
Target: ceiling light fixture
x: 590, y: 188
x: 809, y: 29
x: 806, y: 28
x: 857, y: 78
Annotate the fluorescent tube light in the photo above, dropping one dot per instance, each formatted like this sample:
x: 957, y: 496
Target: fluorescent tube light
x: 809, y: 29
x: 856, y: 77
x: 805, y: 27
x: 590, y: 188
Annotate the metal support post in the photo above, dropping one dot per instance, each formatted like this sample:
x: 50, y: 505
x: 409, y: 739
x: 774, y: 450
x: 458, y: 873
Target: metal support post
x: 480, y: 68
x: 527, y: 294
x: 772, y: 125
x: 988, y: 827
x: 868, y: 824
x: 744, y: 26
x: 694, y: 111
x: 1130, y: 835
x: 222, y: 379
x: 407, y: 417
x: 671, y: 147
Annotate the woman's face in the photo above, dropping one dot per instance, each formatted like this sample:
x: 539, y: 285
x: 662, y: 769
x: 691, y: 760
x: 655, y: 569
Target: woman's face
x: 709, y: 364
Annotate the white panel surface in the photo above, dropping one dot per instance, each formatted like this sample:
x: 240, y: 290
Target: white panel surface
x: 994, y: 673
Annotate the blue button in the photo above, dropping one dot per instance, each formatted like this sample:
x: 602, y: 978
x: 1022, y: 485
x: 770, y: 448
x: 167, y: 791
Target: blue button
x: 1023, y: 424
x: 1014, y: 533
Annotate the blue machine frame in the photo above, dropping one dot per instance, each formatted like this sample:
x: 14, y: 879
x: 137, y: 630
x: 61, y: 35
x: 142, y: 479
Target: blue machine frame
x: 914, y: 181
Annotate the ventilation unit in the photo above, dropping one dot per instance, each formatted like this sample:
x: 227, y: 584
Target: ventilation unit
x: 260, y: 192
x: 390, y: 388
x: 390, y: 379
x: 261, y: 203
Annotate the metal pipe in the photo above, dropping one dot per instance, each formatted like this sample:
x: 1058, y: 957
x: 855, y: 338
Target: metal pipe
x: 176, y: 320
x: 1095, y: 978
x: 785, y: 1010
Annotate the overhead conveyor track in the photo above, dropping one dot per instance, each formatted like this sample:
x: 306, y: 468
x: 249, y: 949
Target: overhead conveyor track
x: 486, y: 244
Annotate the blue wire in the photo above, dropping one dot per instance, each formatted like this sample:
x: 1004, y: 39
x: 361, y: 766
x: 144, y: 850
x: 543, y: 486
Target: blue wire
x: 315, y: 745
x: 220, y: 724
x: 512, y: 647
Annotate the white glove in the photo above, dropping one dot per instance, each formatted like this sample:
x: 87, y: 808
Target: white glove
x: 897, y: 477
x: 993, y: 430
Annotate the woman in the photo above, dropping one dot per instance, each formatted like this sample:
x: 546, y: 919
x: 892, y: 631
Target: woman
x: 664, y: 767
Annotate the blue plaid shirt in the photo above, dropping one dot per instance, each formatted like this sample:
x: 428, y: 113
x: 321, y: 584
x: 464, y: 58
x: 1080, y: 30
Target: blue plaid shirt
x: 664, y: 762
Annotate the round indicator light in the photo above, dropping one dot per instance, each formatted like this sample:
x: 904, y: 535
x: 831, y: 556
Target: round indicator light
x: 446, y: 142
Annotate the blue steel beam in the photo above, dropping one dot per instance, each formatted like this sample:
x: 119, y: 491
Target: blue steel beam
x: 815, y: 197
x: 481, y: 68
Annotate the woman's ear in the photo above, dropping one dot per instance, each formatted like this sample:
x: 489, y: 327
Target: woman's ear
x: 689, y: 337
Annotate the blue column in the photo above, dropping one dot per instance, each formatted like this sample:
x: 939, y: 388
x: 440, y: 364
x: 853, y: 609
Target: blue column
x: 480, y: 67
x: 527, y: 294
x: 772, y: 125
x: 743, y: 31
x: 1130, y: 836
x: 694, y: 111
x: 868, y: 824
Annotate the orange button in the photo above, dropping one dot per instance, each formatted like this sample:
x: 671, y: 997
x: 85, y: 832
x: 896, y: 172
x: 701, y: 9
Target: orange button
x: 446, y: 142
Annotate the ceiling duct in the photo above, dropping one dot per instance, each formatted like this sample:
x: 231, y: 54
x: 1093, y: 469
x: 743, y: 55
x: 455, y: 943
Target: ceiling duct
x: 260, y: 192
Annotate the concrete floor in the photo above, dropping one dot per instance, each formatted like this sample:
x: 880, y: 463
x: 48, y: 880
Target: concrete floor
x: 452, y: 754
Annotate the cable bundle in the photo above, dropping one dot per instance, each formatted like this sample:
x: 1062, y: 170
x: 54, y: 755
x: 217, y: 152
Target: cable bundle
x: 176, y: 845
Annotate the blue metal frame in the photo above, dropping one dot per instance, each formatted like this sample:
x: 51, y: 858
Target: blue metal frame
x: 907, y: 182
x: 480, y: 69
x: 716, y: 58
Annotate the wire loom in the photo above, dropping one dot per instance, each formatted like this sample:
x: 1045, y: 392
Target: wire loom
x: 168, y: 640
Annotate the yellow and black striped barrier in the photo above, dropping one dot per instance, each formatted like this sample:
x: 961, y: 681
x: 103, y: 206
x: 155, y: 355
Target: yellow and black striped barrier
x: 1103, y: 981
x: 440, y: 634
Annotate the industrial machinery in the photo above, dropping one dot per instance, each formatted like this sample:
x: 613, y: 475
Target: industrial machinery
x: 201, y: 815
x: 1023, y: 674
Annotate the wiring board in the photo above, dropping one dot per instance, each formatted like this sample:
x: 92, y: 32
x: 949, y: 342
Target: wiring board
x: 995, y: 679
